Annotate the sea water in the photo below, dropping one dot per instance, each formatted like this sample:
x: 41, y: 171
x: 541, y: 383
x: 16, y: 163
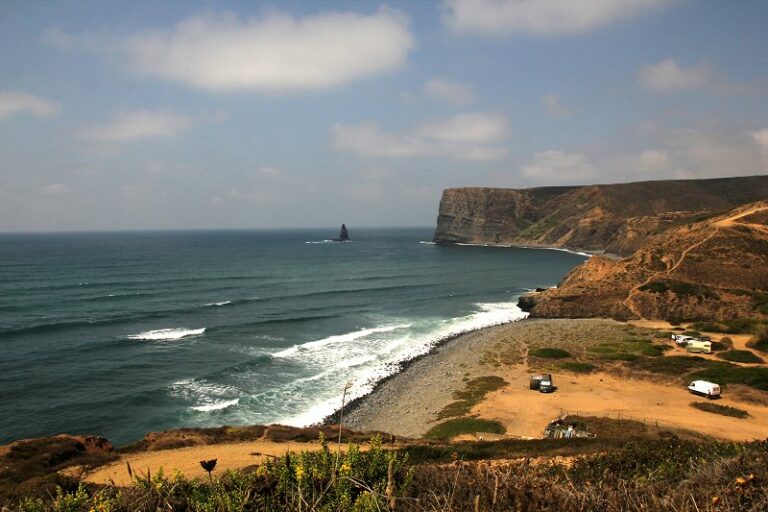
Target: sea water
x: 119, y: 334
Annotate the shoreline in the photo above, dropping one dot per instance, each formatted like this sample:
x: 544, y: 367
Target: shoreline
x: 584, y: 253
x: 403, y: 366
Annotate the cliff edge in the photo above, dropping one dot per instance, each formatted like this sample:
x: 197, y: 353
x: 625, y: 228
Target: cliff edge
x: 617, y: 219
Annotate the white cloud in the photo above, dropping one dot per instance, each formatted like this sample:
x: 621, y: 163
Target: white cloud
x: 554, y: 106
x: 472, y: 127
x: 668, y: 76
x: 559, y: 167
x: 142, y: 124
x: 468, y: 136
x: 761, y: 139
x: 541, y: 17
x: 653, y: 160
x: 16, y: 102
x: 269, y: 172
x: 55, y: 189
x: 275, y: 52
x: 450, y: 91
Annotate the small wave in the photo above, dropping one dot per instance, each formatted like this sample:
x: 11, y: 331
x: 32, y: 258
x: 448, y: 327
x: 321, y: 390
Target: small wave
x: 341, y: 338
x: 320, y: 242
x: 166, y: 334
x: 215, y: 406
x: 218, y: 304
x: 427, y: 242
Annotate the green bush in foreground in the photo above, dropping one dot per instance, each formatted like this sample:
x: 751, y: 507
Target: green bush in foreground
x: 550, y: 353
x: 452, y: 428
x: 723, y: 410
x: 740, y: 356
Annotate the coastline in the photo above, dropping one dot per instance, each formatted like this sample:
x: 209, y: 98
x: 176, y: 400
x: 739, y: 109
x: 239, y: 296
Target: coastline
x: 584, y: 253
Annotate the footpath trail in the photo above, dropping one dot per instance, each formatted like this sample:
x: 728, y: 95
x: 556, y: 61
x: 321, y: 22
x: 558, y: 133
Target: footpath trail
x: 726, y: 223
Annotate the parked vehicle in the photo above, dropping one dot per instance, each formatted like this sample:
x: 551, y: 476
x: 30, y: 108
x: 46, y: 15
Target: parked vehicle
x: 704, y: 388
x: 682, y: 340
x: 543, y: 383
x: 699, y: 346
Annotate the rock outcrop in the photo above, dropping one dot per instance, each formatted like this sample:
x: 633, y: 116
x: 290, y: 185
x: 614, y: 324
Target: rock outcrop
x: 617, y: 219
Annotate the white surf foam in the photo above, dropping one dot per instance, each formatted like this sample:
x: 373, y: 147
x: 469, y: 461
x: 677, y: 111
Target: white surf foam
x: 372, y: 358
x: 427, y: 242
x: 216, y: 406
x: 320, y: 242
x: 166, y: 334
x: 341, y: 338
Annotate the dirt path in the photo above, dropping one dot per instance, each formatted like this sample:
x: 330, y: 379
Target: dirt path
x: 525, y: 413
x: 187, y: 460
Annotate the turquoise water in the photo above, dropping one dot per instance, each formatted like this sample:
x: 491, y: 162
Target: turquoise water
x: 121, y: 334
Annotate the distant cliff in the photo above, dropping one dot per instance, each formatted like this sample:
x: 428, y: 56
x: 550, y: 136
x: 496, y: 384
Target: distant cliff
x: 616, y: 219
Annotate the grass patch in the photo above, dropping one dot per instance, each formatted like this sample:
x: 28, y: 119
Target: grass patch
x: 760, y: 344
x: 730, y: 374
x: 723, y: 410
x: 619, y: 356
x: 678, y: 365
x: 452, y: 428
x: 740, y: 356
x: 680, y: 288
x: 732, y: 326
x: 474, y: 391
x: 654, y: 350
x: 577, y: 367
x: 550, y: 353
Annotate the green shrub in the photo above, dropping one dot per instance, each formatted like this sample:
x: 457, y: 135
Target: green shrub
x: 654, y: 350
x: 677, y: 365
x: 723, y: 410
x: 474, y: 391
x: 550, y: 353
x: 452, y: 428
x: 577, y: 367
x: 619, y: 356
x: 756, y: 377
x: 740, y: 356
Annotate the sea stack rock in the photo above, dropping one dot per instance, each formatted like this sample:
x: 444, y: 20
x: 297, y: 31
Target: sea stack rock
x: 343, y: 234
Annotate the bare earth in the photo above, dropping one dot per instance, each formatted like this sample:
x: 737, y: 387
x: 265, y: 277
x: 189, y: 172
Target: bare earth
x: 187, y: 460
x: 408, y: 403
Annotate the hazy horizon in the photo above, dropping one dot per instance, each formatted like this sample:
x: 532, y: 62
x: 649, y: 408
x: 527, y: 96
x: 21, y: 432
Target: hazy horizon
x: 191, y: 115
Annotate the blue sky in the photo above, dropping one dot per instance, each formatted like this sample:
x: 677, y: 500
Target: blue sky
x: 164, y: 115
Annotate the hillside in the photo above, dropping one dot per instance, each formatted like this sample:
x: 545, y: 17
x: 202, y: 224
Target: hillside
x: 617, y: 219
x: 712, y: 269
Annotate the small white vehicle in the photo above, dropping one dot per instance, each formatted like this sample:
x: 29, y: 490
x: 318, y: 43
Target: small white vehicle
x: 682, y: 340
x: 704, y: 388
x: 699, y: 346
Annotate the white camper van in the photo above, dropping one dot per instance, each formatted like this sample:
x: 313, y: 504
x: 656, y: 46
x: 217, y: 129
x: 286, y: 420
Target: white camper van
x: 704, y: 388
x: 699, y: 346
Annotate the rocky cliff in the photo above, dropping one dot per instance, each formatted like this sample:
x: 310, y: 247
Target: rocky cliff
x: 716, y: 268
x: 617, y: 219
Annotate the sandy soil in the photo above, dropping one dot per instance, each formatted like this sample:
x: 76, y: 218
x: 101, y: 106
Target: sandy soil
x: 187, y: 460
x: 525, y: 412
x: 408, y: 403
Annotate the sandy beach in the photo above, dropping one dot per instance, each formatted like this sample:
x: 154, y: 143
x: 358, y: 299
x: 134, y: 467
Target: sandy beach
x: 408, y: 403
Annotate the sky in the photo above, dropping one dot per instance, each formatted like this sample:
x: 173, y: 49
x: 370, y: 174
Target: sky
x: 217, y: 115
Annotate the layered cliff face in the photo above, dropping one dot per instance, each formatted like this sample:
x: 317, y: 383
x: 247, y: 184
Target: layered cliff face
x: 713, y: 269
x: 617, y: 219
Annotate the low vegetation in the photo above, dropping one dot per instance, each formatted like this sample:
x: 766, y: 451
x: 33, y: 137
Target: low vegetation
x: 473, y: 392
x: 550, y: 353
x: 680, y: 288
x: 740, y: 356
x: 723, y: 410
x: 456, y: 427
x: 756, y: 377
x: 577, y: 367
x: 655, y: 472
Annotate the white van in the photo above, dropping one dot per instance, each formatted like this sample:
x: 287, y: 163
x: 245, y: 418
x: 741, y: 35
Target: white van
x: 699, y: 346
x: 682, y: 340
x: 704, y: 388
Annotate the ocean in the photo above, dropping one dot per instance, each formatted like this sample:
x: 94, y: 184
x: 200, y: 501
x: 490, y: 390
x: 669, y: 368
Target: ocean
x: 119, y: 334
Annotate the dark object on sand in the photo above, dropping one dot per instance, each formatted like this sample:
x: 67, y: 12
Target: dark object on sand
x: 208, y: 465
x: 543, y: 383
